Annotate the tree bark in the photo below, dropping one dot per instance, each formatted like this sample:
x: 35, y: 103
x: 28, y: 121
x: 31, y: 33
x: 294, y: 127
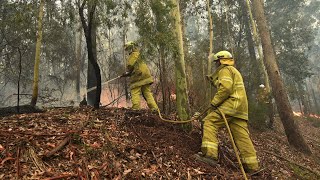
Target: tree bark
x: 253, y: 59
x: 209, y: 92
x: 314, y: 100
x: 253, y: 42
x: 180, y: 69
x: 163, y: 79
x: 292, y: 131
x: 89, y: 32
x: 78, y: 60
x: 37, y: 57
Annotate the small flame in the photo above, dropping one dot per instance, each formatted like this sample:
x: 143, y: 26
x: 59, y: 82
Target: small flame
x: 297, y: 113
x: 315, y: 116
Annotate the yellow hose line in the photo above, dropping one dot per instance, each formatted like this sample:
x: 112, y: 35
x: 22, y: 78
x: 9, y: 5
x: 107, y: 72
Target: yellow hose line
x: 233, y: 143
x: 181, y: 121
x: 228, y: 128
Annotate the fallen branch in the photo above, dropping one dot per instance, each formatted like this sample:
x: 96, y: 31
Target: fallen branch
x: 292, y: 162
x: 62, y: 176
x: 10, y: 133
x: 117, y: 99
x: 65, y: 141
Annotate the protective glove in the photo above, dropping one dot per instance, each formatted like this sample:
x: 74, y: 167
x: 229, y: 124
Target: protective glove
x: 126, y: 74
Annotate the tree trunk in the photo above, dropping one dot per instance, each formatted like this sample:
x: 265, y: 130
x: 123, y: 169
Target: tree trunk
x: 125, y: 65
x: 317, y: 109
x: 90, y: 34
x: 292, y: 131
x: 310, y: 108
x: 209, y: 92
x: 91, y: 76
x: 254, y: 41
x: 254, y: 82
x: 37, y: 57
x: 78, y: 61
x: 181, y: 80
x: 163, y: 80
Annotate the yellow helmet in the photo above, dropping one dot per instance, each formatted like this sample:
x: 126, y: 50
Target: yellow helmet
x: 222, y: 55
x: 130, y: 45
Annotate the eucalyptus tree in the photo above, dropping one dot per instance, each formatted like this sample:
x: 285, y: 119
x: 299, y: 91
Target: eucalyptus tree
x: 37, y: 57
x: 115, y: 19
x: 180, y: 69
x: 16, y: 36
x: 155, y: 25
x: 294, y: 136
x: 89, y: 28
x: 57, y: 58
x: 293, y: 35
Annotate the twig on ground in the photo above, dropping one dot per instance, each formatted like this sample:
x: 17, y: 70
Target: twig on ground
x: 155, y: 157
x: 292, y: 162
x: 117, y: 99
x: 231, y: 162
x: 18, y: 163
x: 62, y: 176
x: 65, y: 141
x: 10, y: 133
x: 36, y: 160
x: 85, y: 168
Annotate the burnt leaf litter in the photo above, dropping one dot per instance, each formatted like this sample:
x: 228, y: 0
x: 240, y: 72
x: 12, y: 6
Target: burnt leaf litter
x: 118, y: 143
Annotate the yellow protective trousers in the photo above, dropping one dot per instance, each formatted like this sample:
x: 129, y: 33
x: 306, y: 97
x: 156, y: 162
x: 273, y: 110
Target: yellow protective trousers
x: 239, y: 128
x: 145, y: 90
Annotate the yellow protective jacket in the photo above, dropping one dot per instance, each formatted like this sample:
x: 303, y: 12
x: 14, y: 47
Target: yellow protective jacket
x: 140, y: 74
x: 231, y: 95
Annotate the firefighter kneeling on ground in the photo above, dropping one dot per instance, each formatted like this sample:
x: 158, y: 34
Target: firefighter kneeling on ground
x: 231, y: 99
x: 140, y: 78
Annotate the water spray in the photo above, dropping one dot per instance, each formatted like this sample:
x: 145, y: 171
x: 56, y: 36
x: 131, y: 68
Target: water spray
x: 107, y: 82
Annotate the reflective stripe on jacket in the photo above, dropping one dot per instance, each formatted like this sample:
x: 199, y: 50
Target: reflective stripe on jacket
x: 231, y: 95
x: 140, y: 74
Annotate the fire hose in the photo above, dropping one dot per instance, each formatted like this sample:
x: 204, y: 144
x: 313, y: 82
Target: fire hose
x: 228, y: 128
x: 233, y: 144
x: 95, y: 87
x: 192, y: 119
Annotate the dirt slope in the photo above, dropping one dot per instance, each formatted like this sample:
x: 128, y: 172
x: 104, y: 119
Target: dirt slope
x: 122, y: 144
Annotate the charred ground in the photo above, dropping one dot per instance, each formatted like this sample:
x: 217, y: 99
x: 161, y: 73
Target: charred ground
x: 111, y: 143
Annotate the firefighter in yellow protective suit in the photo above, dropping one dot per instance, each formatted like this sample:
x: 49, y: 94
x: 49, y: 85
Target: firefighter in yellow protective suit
x: 140, y: 78
x: 231, y: 99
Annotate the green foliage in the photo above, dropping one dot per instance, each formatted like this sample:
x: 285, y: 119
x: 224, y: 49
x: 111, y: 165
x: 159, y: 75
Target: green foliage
x: 258, y: 115
x: 154, y: 23
x: 292, y: 36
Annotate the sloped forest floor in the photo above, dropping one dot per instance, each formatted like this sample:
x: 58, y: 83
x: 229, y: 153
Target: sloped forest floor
x: 111, y: 143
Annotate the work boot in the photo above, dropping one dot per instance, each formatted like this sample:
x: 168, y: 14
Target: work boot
x: 250, y: 170
x: 206, y: 159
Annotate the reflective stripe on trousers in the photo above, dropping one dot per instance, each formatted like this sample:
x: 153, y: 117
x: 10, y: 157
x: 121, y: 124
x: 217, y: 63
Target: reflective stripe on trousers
x: 240, y: 132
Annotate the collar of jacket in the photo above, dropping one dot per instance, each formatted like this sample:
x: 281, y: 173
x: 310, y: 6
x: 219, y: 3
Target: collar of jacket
x: 212, y: 77
x: 227, y: 61
x: 133, y: 51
